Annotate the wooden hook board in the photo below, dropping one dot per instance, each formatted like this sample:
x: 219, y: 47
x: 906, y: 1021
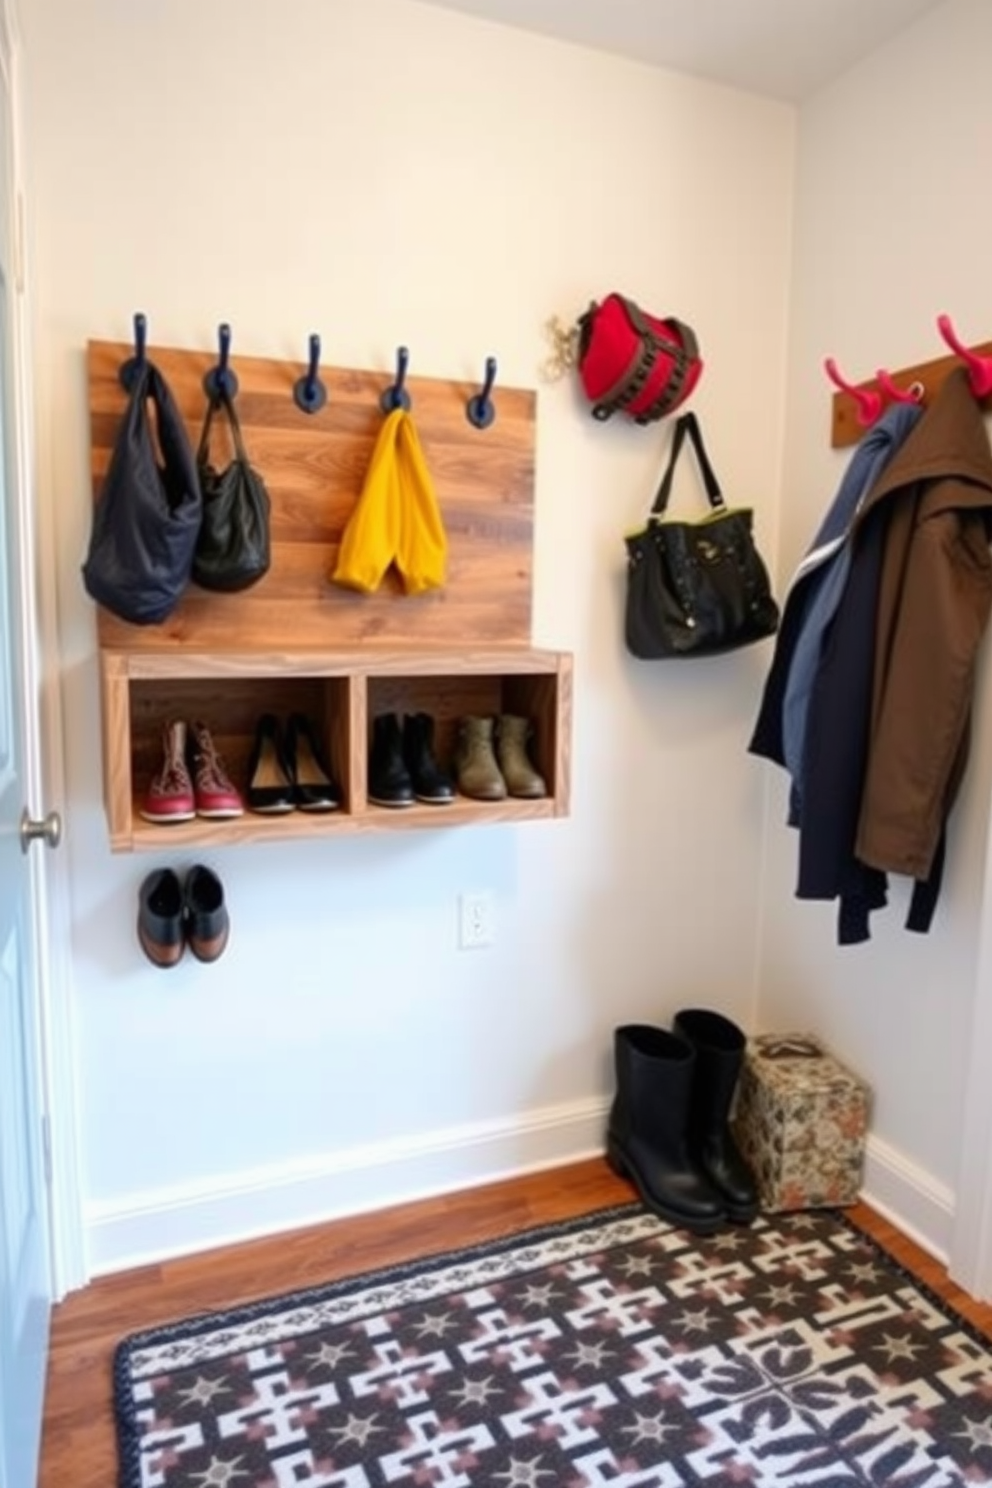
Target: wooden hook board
x: 845, y: 428
x: 314, y: 467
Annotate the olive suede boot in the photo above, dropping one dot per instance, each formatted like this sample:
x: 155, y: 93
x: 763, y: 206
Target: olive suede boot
x: 475, y: 763
x: 512, y: 738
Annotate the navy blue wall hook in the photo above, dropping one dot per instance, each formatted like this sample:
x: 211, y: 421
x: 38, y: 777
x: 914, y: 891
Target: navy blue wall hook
x: 397, y: 396
x: 221, y: 379
x: 133, y: 365
x: 481, y: 410
x: 309, y: 393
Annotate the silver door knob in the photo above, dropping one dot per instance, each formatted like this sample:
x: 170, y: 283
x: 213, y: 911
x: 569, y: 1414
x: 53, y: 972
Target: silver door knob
x: 50, y: 829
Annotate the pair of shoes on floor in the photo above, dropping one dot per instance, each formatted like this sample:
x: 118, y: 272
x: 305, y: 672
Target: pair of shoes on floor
x: 402, y: 764
x: 187, y: 788
x: 289, y: 772
x: 492, y: 759
x: 173, y: 915
x: 668, y: 1129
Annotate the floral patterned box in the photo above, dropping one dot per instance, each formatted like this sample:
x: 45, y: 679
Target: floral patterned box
x: 800, y: 1121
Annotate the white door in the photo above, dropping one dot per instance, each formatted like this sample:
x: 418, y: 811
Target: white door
x: 25, y: 1285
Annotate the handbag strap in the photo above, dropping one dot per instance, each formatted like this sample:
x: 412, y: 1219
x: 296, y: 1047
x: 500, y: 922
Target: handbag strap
x: 681, y: 356
x: 221, y: 399
x: 150, y: 387
x: 688, y: 424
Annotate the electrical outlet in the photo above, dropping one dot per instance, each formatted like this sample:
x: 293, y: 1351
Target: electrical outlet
x: 475, y: 921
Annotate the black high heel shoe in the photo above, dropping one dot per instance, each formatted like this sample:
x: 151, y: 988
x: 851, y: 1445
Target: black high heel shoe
x: 270, y: 781
x: 314, y: 788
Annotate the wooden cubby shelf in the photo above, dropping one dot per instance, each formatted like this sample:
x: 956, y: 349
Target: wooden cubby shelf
x: 341, y: 693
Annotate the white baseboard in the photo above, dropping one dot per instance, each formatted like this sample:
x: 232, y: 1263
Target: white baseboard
x: 185, y: 1219
x: 226, y: 1210
x: 909, y: 1196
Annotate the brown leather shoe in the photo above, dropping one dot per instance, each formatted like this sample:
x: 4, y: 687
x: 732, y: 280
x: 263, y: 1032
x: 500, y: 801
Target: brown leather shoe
x: 207, y: 922
x: 160, y: 918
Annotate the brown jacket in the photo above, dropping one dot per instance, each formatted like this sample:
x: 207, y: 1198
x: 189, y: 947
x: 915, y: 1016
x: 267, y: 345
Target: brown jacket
x: 934, y: 600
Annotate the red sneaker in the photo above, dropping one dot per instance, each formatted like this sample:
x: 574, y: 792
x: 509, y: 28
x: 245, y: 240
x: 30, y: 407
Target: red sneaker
x: 214, y: 794
x: 170, y: 796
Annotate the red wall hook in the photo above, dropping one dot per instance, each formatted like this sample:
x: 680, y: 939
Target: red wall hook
x: 869, y: 403
x: 979, y: 367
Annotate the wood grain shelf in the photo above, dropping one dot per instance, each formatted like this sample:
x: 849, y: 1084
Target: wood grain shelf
x: 299, y: 826
x: 341, y: 693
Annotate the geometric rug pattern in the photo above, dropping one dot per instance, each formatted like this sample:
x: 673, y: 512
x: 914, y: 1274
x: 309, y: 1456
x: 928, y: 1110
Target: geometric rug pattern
x: 612, y: 1351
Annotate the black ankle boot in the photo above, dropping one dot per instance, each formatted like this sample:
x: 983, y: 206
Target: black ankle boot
x: 719, y: 1046
x: 389, y: 778
x: 430, y: 782
x: 649, y: 1118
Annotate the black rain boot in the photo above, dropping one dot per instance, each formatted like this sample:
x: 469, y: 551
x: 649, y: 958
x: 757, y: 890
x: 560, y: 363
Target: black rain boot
x: 389, y: 778
x: 646, y: 1136
x: 430, y: 782
x: 719, y: 1046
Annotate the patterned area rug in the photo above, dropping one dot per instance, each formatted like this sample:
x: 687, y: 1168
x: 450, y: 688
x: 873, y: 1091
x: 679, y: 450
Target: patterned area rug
x: 613, y: 1350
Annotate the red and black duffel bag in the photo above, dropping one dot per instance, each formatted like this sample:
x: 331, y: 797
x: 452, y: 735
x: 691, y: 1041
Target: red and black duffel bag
x: 632, y: 363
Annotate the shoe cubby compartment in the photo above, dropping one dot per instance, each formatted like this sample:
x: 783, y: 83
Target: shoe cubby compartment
x: 136, y: 706
x: 297, y: 643
x: 486, y: 688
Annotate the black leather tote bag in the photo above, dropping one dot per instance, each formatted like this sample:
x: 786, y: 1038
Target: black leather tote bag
x: 147, y: 516
x: 233, y: 549
x: 695, y: 588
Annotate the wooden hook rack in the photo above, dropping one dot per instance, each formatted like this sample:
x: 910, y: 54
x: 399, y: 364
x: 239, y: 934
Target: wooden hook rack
x: 846, y: 430
x: 313, y: 467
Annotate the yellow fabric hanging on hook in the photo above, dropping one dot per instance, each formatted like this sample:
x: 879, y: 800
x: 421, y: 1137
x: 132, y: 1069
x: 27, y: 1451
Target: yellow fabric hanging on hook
x: 397, y: 518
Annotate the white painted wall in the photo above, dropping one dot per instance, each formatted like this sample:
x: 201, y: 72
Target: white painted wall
x: 893, y: 219
x: 385, y: 174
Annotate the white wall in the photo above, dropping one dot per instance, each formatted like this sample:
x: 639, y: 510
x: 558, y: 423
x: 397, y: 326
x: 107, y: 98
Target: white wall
x: 893, y: 219
x: 395, y: 174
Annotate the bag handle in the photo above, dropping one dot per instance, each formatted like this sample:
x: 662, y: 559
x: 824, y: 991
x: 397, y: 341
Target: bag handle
x: 147, y: 387
x: 681, y: 356
x: 688, y: 424
x: 221, y: 399
x: 789, y: 1047
x: 687, y: 352
x: 150, y: 387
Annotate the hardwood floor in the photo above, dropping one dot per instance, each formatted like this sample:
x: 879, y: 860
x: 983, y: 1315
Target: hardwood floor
x: 78, y: 1446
